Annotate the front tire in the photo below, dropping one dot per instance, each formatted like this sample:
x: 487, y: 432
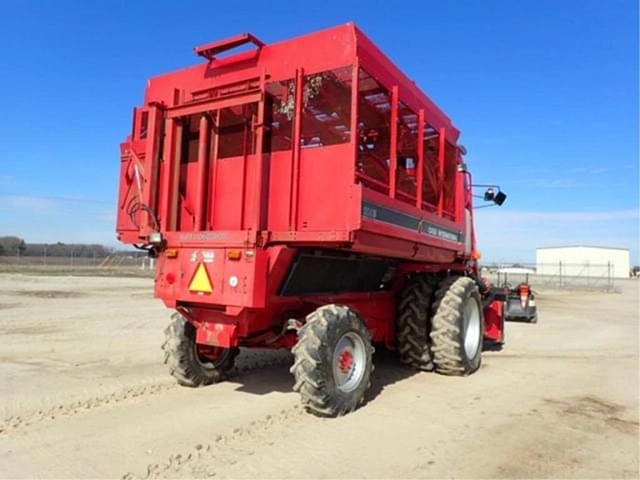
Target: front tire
x: 457, y: 327
x: 333, y: 365
x: 192, y: 364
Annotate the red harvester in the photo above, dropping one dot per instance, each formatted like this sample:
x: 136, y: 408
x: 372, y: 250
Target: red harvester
x: 306, y: 195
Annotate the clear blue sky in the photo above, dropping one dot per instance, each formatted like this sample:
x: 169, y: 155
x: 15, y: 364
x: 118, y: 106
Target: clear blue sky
x: 545, y: 93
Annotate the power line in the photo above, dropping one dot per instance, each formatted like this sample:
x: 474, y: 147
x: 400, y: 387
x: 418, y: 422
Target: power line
x: 57, y: 199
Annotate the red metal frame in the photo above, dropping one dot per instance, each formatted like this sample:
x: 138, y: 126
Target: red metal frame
x: 269, y: 205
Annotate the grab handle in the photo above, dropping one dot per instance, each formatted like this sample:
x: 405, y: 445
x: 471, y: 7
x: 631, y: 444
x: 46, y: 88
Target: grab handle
x: 210, y: 50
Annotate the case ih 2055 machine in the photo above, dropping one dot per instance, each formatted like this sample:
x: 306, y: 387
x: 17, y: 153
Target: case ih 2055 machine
x: 306, y: 195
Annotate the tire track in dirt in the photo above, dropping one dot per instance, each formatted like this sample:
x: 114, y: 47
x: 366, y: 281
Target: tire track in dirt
x: 55, y: 412
x: 252, y: 362
x: 205, y: 459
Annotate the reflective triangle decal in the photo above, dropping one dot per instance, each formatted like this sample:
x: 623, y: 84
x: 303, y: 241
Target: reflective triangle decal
x: 200, y: 281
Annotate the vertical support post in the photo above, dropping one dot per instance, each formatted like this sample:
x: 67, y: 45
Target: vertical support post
x: 459, y: 190
x: 147, y: 183
x: 201, y: 179
x: 152, y: 160
x: 245, y: 153
x: 214, y: 168
x: 259, y: 205
x: 441, y: 159
x: 172, y: 224
x: 393, y: 168
x: 295, y: 167
x: 355, y: 135
x: 609, y: 277
x: 420, y: 166
x: 167, y: 166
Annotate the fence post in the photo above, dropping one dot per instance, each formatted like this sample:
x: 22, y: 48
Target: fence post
x: 609, y: 277
x: 560, y: 270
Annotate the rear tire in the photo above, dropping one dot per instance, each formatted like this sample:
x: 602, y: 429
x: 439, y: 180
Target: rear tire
x: 191, y: 364
x: 413, y: 323
x: 457, y: 327
x: 332, y: 366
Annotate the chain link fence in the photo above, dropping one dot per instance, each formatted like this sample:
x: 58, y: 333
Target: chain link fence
x: 129, y: 264
x: 583, y: 276
x: 549, y: 275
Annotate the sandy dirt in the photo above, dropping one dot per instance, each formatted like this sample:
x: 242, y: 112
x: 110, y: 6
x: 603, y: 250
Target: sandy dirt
x: 84, y: 394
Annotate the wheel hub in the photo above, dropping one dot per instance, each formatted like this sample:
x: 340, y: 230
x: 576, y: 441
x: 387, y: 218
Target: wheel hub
x: 346, y: 361
x: 349, y: 362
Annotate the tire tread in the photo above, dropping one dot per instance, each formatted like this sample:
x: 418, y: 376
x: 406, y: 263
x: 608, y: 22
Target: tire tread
x: 413, y: 322
x: 447, y: 349
x: 178, y: 356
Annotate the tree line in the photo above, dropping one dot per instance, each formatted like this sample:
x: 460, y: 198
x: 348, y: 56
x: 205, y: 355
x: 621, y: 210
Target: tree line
x: 12, y: 246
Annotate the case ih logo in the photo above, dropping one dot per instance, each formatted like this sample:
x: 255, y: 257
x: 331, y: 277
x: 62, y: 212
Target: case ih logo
x: 369, y: 211
x: 206, y: 256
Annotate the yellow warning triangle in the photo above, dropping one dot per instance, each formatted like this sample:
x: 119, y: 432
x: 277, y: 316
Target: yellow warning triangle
x: 200, y: 281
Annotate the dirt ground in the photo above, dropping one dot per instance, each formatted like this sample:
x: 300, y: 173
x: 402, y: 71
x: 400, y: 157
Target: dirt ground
x: 84, y: 394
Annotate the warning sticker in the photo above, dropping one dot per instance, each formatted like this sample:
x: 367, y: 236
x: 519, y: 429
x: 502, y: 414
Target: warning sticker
x: 201, y: 281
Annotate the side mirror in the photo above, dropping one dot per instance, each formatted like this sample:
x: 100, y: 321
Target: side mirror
x: 497, y: 197
x: 489, y: 195
x: 492, y: 195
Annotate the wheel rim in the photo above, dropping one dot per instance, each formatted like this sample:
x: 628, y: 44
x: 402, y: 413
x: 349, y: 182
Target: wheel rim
x: 209, y: 356
x: 471, y: 328
x: 349, y: 362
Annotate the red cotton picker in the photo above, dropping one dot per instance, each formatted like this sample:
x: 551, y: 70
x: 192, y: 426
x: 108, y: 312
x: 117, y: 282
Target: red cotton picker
x: 306, y: 195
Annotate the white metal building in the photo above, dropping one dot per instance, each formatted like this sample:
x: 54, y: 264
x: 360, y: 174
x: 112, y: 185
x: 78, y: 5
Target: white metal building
x: 581, y: 260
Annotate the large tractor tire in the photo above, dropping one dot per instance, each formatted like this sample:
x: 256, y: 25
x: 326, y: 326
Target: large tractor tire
x: 332, y: 366
x: 413, y: 322
x: 457, y: 327
x: 191, y: 364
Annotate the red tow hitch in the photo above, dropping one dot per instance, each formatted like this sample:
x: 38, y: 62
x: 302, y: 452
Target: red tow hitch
x: 218, y: 334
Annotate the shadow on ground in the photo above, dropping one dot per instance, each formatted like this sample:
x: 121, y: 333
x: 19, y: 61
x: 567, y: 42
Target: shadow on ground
x: 264, y: 371
x: 491, y: 346
x: 388, y: 370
